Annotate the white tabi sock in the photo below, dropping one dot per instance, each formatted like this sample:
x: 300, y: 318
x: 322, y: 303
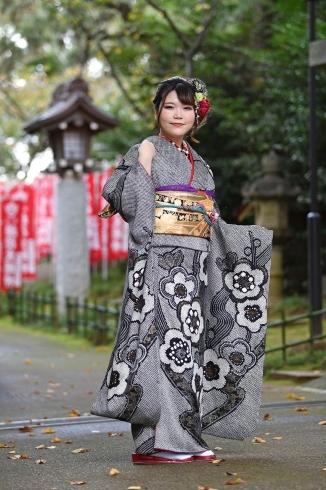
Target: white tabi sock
x: 204, y: 453
x: 171, y: 455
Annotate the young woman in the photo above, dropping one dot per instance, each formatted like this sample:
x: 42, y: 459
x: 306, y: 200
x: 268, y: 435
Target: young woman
x: 189, y: 349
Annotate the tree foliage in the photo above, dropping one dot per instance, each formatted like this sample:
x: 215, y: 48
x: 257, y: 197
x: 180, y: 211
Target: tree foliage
x: 251, y: 53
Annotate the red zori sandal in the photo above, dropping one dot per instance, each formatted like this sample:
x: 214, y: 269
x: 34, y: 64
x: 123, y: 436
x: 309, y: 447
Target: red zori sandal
x: 204, y: 456
x: 162, y: 457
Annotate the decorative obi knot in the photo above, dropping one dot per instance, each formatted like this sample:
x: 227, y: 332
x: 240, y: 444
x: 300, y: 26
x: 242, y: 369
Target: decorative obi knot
x: 184, y: 213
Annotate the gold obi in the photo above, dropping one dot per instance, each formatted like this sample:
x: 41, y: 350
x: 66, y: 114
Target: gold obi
x: 183, y: 213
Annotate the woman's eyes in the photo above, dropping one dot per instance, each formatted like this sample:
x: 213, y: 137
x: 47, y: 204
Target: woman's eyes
x: 187, y: 108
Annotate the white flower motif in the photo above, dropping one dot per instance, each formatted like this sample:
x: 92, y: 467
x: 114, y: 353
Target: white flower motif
x: 244, y: 281
x: 203, y: 267
x: 191, y: 319
x: 178, y: 286
x: 176, y: 351
x: 136, y: 276
x: 215, y: 371
x: 133, y: 353
x: 252, y: 314
x: 239, y: 355
x: 117, y: 379
x: 197, y: 381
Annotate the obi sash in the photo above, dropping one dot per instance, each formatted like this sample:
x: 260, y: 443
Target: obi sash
x: 184, y: 213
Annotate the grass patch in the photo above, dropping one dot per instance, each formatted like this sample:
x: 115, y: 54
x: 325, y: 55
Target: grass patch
x: 109, y: 289
x: 295, y: 361
x: 71, y: 341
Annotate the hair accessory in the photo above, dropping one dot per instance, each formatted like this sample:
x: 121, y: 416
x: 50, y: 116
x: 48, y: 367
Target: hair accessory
x: 201, y: 100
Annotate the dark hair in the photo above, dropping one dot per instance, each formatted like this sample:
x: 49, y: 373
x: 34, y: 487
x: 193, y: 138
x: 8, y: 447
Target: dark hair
x: 186, y: 94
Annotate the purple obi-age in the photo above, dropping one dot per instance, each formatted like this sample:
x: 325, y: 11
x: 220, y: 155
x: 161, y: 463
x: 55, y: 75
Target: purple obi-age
x: 184, y: 188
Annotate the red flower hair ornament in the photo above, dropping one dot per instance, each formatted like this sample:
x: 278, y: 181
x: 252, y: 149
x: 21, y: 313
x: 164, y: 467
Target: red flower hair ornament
x: 201, y: 98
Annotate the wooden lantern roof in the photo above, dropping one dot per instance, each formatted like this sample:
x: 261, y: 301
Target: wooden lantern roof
x: 71, y: 104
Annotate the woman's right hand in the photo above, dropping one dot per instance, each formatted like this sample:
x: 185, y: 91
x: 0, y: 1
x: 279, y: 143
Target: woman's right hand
x: 146, y: 153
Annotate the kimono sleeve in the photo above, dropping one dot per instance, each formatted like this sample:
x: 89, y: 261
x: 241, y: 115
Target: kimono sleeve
x: 130, y: 192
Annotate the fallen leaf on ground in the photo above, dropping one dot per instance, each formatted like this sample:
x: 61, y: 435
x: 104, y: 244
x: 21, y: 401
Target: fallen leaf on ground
x: 115, y: 434
x: 301, y: 409
x: 7, y: 446
x: 41, y: 446
x: 235, y: 482
x: 278, y: 438
x: 217, y: 448
x: 32, y: 435
x: 48, y: 431
x: 40, y: 461
x: 113, y: 472
x: 293, y: 396
x: 206, y: 488
x: 324, y: 469
x: 231, y: 474
x: 258, y: 440
x: 55, y: 440
x: 7, y: 421
x: 74, y: 413
x: 12, y: 452
x: 81, y: 450
x: 14, y: 456
x: 267, y: 417
x: 26, y: 428
x: 78, y: 482
x: 134, y: 488
x: 36, y: 392
x: 216, y: 461
x: 323, y: 422
x: 28, y: 362
x: 51, y: 447
x: 67, y: 442
x: 25, y: 456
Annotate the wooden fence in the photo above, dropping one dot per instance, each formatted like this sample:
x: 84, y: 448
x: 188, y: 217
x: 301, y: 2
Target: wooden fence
x: 97, y: 322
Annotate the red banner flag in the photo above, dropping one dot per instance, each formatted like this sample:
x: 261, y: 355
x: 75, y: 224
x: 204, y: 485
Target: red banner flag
x: 25, y: 194
x: 11, y: 244
x: 44, y: 214
x: 114, y: 231
x: 93, y: 225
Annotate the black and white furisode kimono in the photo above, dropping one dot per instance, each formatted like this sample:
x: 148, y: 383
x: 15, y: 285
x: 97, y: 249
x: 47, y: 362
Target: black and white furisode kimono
x: 188, y: 356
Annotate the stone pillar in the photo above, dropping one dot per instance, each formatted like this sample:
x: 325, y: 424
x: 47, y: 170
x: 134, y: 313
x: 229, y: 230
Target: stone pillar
x: 271, y: 194
x: 72, y: 262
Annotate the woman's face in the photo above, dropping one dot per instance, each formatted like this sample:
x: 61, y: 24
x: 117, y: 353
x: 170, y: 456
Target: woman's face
x: 176, y: 119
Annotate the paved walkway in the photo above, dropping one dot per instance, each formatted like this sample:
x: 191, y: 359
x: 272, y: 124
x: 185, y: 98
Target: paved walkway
x: 43, y: 382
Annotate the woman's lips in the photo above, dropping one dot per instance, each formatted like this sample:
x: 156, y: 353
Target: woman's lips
x: 178, y: 125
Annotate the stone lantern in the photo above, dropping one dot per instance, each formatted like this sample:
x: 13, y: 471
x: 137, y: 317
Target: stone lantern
x: 271, y: 195
x: 70, y: 122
